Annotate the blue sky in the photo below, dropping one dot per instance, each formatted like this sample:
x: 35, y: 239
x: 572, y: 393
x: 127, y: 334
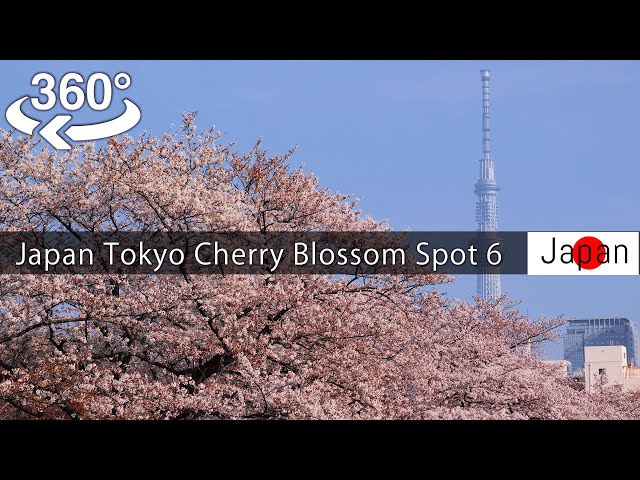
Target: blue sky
x: 406, y: 137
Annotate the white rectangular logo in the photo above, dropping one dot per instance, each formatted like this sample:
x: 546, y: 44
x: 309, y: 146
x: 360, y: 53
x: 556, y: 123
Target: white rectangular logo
x: 583, y: 253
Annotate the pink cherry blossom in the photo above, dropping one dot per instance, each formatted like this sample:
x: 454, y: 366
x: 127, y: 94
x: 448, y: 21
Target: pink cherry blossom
x: 244, y: 346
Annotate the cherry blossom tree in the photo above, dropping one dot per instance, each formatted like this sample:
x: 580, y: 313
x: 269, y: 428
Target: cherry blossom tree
x: 242, y: 346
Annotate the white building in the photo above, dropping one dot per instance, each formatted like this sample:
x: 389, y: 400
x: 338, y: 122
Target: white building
x: 613, y: 362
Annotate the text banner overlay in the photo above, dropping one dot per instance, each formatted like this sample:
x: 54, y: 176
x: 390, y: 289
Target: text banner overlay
x: 348, y: 253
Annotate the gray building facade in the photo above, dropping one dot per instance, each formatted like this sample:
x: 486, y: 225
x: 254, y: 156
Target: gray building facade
x: 593, y: 332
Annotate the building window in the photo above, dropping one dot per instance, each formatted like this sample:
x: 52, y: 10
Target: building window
x: 602, y: 371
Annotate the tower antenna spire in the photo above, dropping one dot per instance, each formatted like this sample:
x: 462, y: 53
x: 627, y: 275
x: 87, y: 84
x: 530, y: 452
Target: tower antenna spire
x: 487, y: 189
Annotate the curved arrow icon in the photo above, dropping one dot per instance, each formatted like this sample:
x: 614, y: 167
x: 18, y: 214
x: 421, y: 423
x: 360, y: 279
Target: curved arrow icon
x: 110, y: 128
x: 19, y: 120
x: 50, y: 132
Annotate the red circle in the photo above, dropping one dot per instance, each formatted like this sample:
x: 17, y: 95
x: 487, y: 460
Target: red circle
x: 589, y: 255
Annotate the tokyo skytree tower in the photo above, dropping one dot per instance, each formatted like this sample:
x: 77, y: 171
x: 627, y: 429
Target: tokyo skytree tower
x: 487, y: 189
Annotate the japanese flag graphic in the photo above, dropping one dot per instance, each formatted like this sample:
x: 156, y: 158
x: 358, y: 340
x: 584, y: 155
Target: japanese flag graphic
x: 583, y: 253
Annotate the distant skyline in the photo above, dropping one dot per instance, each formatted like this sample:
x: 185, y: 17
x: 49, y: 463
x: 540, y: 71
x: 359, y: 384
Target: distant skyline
x: 406, y: 137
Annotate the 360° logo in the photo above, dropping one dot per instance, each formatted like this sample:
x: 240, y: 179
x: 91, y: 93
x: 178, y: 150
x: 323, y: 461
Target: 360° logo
x: 72, y: 98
